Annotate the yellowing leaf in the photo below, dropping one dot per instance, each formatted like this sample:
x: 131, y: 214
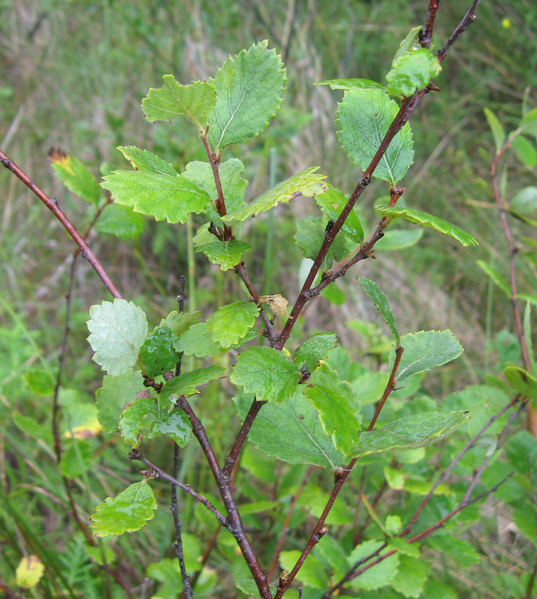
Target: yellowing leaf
x: 29, y: 572
x: 277, y: 303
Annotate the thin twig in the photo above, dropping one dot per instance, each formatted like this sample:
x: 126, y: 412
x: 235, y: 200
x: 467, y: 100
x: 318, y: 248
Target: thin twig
x: 9, y: 591
x: 467, y: 20
x: 390, y: 387
x: 427, y: 32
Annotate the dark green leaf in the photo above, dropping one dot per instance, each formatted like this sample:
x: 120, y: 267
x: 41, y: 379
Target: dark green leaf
x: 75, y: 176
x: 457, y: 549
x: 114, y: 395
x: 158, y: 354
x: 231, y: 323
x: 186, y: 384
x: 310, y: 236
x: 332, y: 202
x: 314, y: 349
x: 225, y: 253
x: 120, y: 221
x: 376, y: 295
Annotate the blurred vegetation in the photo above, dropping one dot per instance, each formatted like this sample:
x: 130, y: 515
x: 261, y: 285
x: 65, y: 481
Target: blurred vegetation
x: 72, y: 75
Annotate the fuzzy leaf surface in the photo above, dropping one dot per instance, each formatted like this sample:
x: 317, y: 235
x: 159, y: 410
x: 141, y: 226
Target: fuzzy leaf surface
x: 75, y: 176
x: 410, y: 432
x: 310, y: 236
x: 225, y: 253
x: 376, y: 295
x: 127, y: 512
x: 364, y: 118
x: 333, y: 398
x: 352, y: 84
x: 426, y: 350
x: 188, y: 383
x: 412, y: 71
x: 332, y: 202
x: 292, y: 432
x: 114, y: 395
x: 232, y: 322
x: 314, y: 349
x: 158, y: 353
x: 120, y: 221
x: 428, y: 220
x: 249, y: 89
x: 118, y: 331
x: 146, y: 419
x: 266, y: 373
x: 195, y: 101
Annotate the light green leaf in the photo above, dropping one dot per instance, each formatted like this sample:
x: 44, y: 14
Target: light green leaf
x: 291, y: 431
x: 457, y: 549
x: 32, y: 427
x: 180, y: 322
x: 332, y: 202
x: 395, y: 478
x: 225, y: 253
x: 412, y: 71
x: 529, y: 123
x: 428, y: 220
x: 29, y: 572
x: 195, y: 101
x: 376, y: 295
x: 521, y: 451
x: 118, y: 331
x: 146, y: 419
x: 311, y: 573
x: 158, y: 354
x: 250, y: 588
x: 114, y: 395
x: 232, y: 322
x: 364, y: 118
x: 352, y: 84
x: 525, y: 150
x: 334, y: 295
x: 532, y: 299
x: 186, y: 384
x: 76, y: 459
x: 522, y: 381
x: 143, y: 160
x: 120, y: 221
x: 39, y: 381
x: 127, y: 512
x: 497, y: 130
x: 370, y: 386
x: 233, y: 186
x: 314, y: 349
x: 410, y: 432
x: 335, y: 555
x: 411, y: 576
x: 266, y: 373
x: 310, y: 236
x: 496, y: 277
x: 525, y: 201
x: 402, y: 546
x: 74, y: 175
x: 378, y: 576
x: 373, y: 515
x: 399, y: 239
x: 333, y: 399
x: 249, y: 89
x: 198, y: 341
x: 426, y: 350
x: 410, y: 43
x: 307, y: 183
x: 528, y: 338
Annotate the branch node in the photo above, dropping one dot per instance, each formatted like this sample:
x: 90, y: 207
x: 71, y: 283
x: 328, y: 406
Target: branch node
x: 135, y: 454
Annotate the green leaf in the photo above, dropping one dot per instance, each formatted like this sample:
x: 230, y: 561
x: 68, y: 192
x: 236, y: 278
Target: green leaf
x: 410, y: 432
x: 146, y: 419
x: 39, y: 381
x: 186, y: 384
x: 495, y: 277
x: 334, y: 294
x: 352, y: 84
x: 364, y: 118
x: 426, y: 350
x: 76, y: 459
x: 411, y: 577
x: 438, y: 590
x: 291, y: 431
x: 373, y: 515
x: 376, y: 295
x: 307, y: 183
x: 370, y: 386
x: 266, y: 373
x: 314, y: 349
x: 525, y: 150
x: 310, y: 236
x: 158, y: 354
x: 233, y: 185
x: 399, y: 239
x: 412, y: 71
x: 195, y: 101
x: 529, y: 123
x: 333, y: 399
x: 145, y: 161
x: 528, y: 336
x: 428, y: 220
x: 74, y: 175
x: 410, y: 43
x: 249, y: 89
x: 250, y: 588
x: 521, y: 451
x: 198, y: 341
x: 522, y: 381
x: 334, y: 554
x: 378, y: 576
x: 118, y: 331
x: 32, y: 427
x: 127, y: 512
x: 524, y: 518
x: 525, y: 201
x: 232, y: 322
x: 114, y: 395
x: 120, y: 221
x: 394, y: 478
x: 332, y: 202
x: 225, y: 253
x: 179, y: 323
x: 403, y: 547
x: 311, y: 573
x: 457, y: 549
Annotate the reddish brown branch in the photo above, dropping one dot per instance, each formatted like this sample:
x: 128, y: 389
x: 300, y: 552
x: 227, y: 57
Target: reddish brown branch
x: 427, y: 32
x: 468, y: 19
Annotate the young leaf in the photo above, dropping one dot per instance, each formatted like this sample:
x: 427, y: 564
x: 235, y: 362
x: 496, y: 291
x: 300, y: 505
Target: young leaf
x: 198, y: 341
x: 309, y: 237
x: 120, y: 221
x: 409, y: 432
x: 496, y: 277
x: 307, y: 183
x: 266, y: 373
x: 374, y: 516
x: 376, y: 295
x: 142, y: 160
x: 232, y: 322
x: 195, y: 101
x: 186, y: 384
x: 525, y: 201
x: 364, y: 118
x: 74, y: 175
x: 332, y: 202
x: 158, y: 354
x: 292, y: 432
x: 127, y: 512
x: 146, y: 419
x: 249, y: 89
x: 114, y: 395
x: 522, y: 381
x: 314, y: 349
x: 412, y: 72
x: 118, y: 331
x: 426, y: 350
x: 311, y: 573
x: 497, y: 130
x: 333, y: 398
x: 525, y: 150
x: 399, y: 239
x: 180, y: 322
x: 352, y: 84
x: 225, y: 253
x: 428, y: 220
x: 411, y: 576
x: 410, y: 43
